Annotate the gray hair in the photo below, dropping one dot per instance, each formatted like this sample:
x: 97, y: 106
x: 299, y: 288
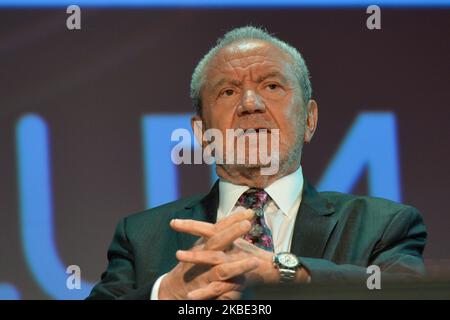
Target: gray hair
x: 247, y: 33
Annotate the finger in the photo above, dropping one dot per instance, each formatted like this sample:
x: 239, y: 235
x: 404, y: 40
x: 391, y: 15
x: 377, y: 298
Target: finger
x: 233, y: 269
x: 225, y: 238
x: 199, y: 244
x: 235, y: 217
x: 249, y: 248
x: 213, y: 290
x: 194, y: 227
x: 205, y: 229
x: 202, y: 257
x: 230, y: 295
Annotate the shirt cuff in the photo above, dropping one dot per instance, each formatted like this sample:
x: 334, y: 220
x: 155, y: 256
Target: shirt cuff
x: 155, y: 290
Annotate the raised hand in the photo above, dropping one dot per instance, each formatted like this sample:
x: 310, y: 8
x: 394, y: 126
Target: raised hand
x: 239, y: 250
x: 221, y: 278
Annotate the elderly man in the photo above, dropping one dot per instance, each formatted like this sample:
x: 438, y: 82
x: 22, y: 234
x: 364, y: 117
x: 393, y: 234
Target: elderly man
x: 251, y: 227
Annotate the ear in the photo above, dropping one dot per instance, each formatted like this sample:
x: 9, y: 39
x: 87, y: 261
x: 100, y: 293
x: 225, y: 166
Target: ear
x: 312, y: 116
x: 197, y: 128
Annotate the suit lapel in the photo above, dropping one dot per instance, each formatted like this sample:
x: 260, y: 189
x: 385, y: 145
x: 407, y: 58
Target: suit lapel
x: 313, y: 225
x: 203, y: 210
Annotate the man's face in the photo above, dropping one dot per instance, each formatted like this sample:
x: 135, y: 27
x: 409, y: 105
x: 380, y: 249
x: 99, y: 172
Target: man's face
x: 251, y: 85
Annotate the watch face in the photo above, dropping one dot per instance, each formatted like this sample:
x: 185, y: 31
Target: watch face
x: 288, y: 260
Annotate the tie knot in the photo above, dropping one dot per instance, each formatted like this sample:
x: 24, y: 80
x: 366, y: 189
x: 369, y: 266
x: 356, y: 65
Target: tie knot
x: 253, y: 199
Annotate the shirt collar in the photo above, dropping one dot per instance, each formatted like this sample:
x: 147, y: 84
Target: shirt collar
x: 284, y: 192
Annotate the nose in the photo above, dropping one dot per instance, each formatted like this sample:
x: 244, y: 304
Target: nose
x: 251, y: 103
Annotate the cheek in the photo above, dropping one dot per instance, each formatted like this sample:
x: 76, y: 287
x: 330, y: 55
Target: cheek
x: 220, y: 115
x: 289, y: 120
x: 289, y: 134
x: 221, y: 118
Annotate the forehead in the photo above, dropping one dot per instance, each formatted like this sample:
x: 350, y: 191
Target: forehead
x: 253, y: 56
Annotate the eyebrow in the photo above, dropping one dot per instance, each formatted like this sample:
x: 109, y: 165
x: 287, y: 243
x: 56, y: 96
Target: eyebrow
x: 260, y: 79
x: 222, y: 81
x: 273, y: 74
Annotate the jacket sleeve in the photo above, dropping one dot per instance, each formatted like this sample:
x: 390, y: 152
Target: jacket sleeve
x: 398, y: 254
x: 118, y: 281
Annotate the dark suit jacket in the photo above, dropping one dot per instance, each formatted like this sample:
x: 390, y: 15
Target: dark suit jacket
x: 336, y: 237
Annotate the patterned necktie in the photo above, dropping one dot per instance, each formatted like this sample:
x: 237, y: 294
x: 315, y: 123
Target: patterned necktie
x: 260, y: 234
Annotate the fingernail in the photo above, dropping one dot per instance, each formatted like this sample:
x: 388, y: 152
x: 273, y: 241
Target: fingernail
x: 190, y: 296
x: 181, y: 253
x: 244, y: 224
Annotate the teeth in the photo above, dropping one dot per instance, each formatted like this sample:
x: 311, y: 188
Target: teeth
x: 257, y: 130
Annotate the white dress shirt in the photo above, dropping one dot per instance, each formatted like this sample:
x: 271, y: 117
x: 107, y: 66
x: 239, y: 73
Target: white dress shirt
x: 279, y: 214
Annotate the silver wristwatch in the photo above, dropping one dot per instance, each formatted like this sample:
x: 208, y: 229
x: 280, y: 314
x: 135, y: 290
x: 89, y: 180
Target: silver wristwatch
x: 287, y: 264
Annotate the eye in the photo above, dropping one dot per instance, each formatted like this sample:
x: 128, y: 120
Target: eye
x: 273, y: 86
x: 228, y: 92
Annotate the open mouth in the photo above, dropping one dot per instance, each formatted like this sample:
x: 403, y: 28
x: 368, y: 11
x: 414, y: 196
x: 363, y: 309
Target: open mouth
x: 257, y: 130
x: 251, y: 131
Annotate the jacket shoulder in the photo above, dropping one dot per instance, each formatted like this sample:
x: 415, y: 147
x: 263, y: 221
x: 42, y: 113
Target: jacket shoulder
x: 367, y: 204
x: 155, y: 216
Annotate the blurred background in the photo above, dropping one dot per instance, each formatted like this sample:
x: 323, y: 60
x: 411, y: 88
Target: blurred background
x: 86, y: 117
